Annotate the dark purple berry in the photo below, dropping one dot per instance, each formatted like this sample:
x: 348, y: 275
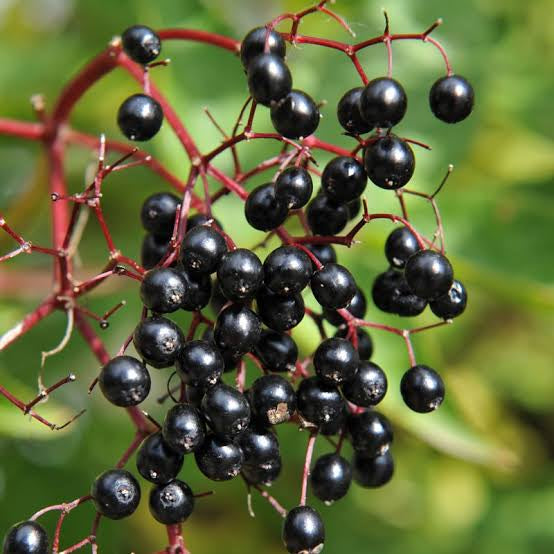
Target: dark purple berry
x: 294, y: 187
x: 429, y: 274
x: 295, y: 116
x: 199, y: 290
x: 303, y: 531
x: 330, y: 477
x: 370, y: 433
x: 183, y: 428
x: 343, y: 179
x: 451, y: 98
x: 452, y: 304
x: 318, y: 402
x: 141, y: 44
x: 157, y: 462
x: 326, y: 218
x: 365, y: 344
x: 349, y: 115
x: 389, y: 162
x: 237, y: 329
x: 263, y: 210
x: 199, y: 364
x: 171, y: 503
x: 153, y: 250
x: 115, y: 493
x: 202, y: 249
x: 158, y: 214
x: 158, y: 341
x: 140, y: 117
x: 273, y: 400
x: 383, y: 102
x: 218, y: 459
x: 163, y: 290
x: 371, y: 472
x: 336, y: 361
x: 279, y: 313
x: 333, y: 286
x: 287, y: 270
x: 240, y: 274
x: 26, y: 537
x: 400, y: 245
x: 124, y: 381
x: 269, y: 78
x: 253, y: 44
x: 276, y: 351
x: 368, y: 387
x: 422, y: 389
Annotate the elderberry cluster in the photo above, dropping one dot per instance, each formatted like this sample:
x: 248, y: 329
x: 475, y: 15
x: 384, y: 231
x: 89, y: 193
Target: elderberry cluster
x: 231, y: 430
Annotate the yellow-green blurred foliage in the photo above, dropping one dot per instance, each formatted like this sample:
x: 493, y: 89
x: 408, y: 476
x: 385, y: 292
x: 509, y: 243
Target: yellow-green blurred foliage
x: 477, y: 476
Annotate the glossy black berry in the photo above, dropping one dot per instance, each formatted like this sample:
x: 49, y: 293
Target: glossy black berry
x: 452, y: 304
x: 158, y: 341
x: 333, y: 286
x: 336, y: 361
x: 422, y: 389
x: 199, y: 290
x: 240, y: 274
x: 331, y: 477
x: 371, y: 472
x: 262, y: 474
x: 451, y: 98
x: 219, y: 459
x: 276, y: 351
x: 294, y: 187
x: 253, y: 44
x: 336, y: 426
x: 171, y: 503
x: 157, y: 462
x: 287, y: 270
x: 383, y: 102
x: 429, y: 274
x: 370, y: 433
x: 296, y: 115
x: 325, y: 253
x: 400, y: 245
x: 218, y: 300
x: 356, y: 307
x: 326, y: 218
x: 368, y: 387
x: 279, y: 313
x: 391, y: 294
x: 115, y: 493
x: 199, y: 364
x: 303, y: 531
x: 237, y: 329
x: 183, y: 428
x: 263, y: 210
x: 349, y: 114
x: 365, y: 344
x: 269, y: 78
x: 318, y: 402
x: 262, y: 460
x: 153, y: 250
x: 389, y: 162
x: 163, y: 290
x: 158, y: 214
x: 343, y: 179
x: 124, y: 381
x: 354, y: 207
x: 201, y: 219
x: 202, y: 249
x: 140, y: 117
x: 141, y: 44
x: 226, y: 410
x: 273, y: 400
x: 26, y: 537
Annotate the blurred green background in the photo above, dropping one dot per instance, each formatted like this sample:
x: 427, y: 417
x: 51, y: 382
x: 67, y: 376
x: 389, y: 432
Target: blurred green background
x: 475, y: 477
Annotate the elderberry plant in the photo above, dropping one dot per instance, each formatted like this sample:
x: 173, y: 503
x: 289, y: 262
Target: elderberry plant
x: 190, y: 262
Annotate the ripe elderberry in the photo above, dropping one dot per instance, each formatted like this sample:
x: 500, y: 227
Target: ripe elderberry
x: 324, y: 217
x: 343, y: 179
x: 392, y: 294
x: 163, y: 290
x: 287, y: 270
x: 294, y: 187
x: 422, y: 389
x: 183, y: 429
x: 158, y: 214
x: 356, y: 307
x: 273, y: 400
x: 141, y: 44
x: 157, y: 462
x: 240, y: 274
x: 331, y: 477
x: 263, y: 210
x: 276, y: 351
x: 269, y: 78
x: 303, y: 531
x: 202, y: 249
x: 171, y: 503
x: 372, y: 471
x: 237, y: 329
x: 400, y: 245
x: 254, y: 44
x: 319, y: 402
x: 389, y: 162
x: 336, y: 361
x: 365, y: 344
x: 262, y: 460
x: 383, y: 102
x: 115, y: 493
x: 349, y: 114
x: 140, y: 117
x: 451, y: 98
x: 370, y: 433
x: 368, y: 387
x: 26, y: 537
x: 279, y: 313
x: 153, y: 250
x: 124, y: 381
x: 429, y: 274
x: 333, y: 286
x: 296, y: 115
x: 325, y: 253
x: 199, y: 290
x: 199, y: 364
x: 158, y: 341
x: 218, y: 459
x: 452, y: 304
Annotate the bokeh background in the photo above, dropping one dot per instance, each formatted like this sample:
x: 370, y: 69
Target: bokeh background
x: 478, y: 475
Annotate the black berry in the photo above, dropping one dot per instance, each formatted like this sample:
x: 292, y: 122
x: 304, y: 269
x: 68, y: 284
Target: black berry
x: 370, y: 432
x: 200, y: 364
x: 240, y: 274
x: 392, y: 294
x: 287, y: 270
x: 349, y: 114
x: 333, y: 286
x: 141, y: 44
x: 269, y: 78
x: 27, y: 537
x: 356, y: 307
x: 276, y: 351
x: 343, y: 179
x: 318, y: 402
x: 158, y: 341
x: 218, y: 459
x: 273, y: 399
x: 429, y: 274
x: 336, y: 361
x: 383, y: 102
x: 325, y: 253
x: 237, y: 329
x: 303, y: 531
x: 422, y: 389
x: 280, y: 313
x: 451, y: 98
x: 140, y: 117
x: 171, y: 503
x: 295, y: 116
x: 253, y: 44
x: 452, y: 304
x: 202, y: 249
x: 365, y: 344
x: 199, y: 290
x: 331, y: 477
x: 157, y: 462
x: 368, y: 387
x: 115, y: 493
x: 400, y: 245
x: 183, y: 429
x: 326, y: 218
x: 124, y: 381
x: 158, y: 214
x: 262, y: 460
x: 263, y: 210
x: 153, y: 250
x: 294, y: 187
x: 163, y: 290
x: 389, y: 162
x: 371, y: 472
